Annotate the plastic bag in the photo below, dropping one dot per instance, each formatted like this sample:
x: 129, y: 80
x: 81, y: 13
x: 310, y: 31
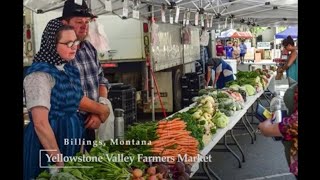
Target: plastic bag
x: 97, y: 37
x: 186, y: 35
x: 106, y: 130
x: 154, y: 34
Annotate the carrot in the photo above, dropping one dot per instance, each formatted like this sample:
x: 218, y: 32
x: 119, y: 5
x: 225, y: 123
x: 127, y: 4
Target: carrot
x: 175, y: 119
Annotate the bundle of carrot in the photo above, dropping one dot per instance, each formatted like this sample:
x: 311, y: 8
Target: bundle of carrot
x: 174, y: 140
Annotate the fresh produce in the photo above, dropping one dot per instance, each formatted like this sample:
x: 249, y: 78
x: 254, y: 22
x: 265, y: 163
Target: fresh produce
x: 243, y: 94
x: 137, y: 173
x: 174, y: 140
x: 179, y: 171
x: 193, y: 125
x: 247, y: 74
x: 220, y: 119
x: 234, y: 87
x: 142, y: 131
x: 151, y: 170
x: 206, y: 91
x: 249, y: 89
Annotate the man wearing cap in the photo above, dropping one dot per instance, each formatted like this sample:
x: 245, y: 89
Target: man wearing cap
x: 94, y: 85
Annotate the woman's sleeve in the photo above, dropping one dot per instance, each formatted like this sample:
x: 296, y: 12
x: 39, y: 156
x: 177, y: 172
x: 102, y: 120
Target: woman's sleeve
x: 219, y: 68
x: 289, y: 126
x: 38, y: 86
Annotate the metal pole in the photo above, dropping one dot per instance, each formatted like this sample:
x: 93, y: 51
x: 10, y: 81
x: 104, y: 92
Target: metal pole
x: 243, y: 9
x: 255, y: 12
x: 151, y: 66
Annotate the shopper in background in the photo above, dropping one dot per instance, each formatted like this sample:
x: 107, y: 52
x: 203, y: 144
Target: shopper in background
x: 53, y: 94
x: 236, y: 51
x: 291, y: 66
x: 223, y: 73
x: 288, y: 128
x: 95, y: 86
x: 219, y: 48
x: 228, y: 50
x: 243, y: 51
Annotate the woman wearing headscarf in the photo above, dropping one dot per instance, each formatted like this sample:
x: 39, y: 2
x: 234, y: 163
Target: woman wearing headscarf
x: 53, y: 95
x: 223, y: 73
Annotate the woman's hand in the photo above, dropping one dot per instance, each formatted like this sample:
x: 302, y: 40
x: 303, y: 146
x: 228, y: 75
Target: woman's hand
x: 60, y: 164
x: 280, y: 70
x: 269, y: 129
x: 93, y: 121
x: 104, y: 113
x: 94, y: 107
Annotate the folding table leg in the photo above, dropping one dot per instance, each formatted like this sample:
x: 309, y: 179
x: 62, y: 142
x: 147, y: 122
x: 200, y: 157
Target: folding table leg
x: 238, y: 145
x: 250, y: 133
x: 230, y: 150
x: 250, y: 126
x: 211, y: 171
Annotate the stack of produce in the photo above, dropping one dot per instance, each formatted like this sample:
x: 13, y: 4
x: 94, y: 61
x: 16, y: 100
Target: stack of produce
x: 258, y: 79
x: 105, y: 168
x: 174, y: 140
x: 227, y: 104
x: 163, y: 171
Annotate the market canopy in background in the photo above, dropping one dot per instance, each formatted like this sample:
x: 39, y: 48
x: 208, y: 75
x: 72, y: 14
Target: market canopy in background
x: 244, y: 35
x: 265, y: 13
x: 291, y: 31
x: 231, y: 33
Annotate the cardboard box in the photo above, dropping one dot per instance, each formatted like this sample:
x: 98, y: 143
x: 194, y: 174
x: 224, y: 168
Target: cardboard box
x: 257, y: 57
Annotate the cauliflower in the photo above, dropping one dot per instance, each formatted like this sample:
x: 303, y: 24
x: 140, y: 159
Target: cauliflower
x: 220, y: 119
x: 197, y: 114
x: 207, y: 116
x: 206, y: 138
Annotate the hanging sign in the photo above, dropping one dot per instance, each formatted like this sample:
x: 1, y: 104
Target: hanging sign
x: 188, y: 18
x: 171, y: 17
x: 196, y: 19
x: 177, y: 15
x: 184, y: 18
x: 108, y: 5
x: 202, y: 20
x: 211, y: 21
x: 125, y: 11
x: 163, y: 13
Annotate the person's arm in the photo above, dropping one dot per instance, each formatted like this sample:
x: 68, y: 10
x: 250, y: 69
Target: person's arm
x: 287, y: 128
x: 38, y: 86
x: 88, y: 105
x: 103, y: 91
x: 292, y: 58
x: 218, y: 70
x: 268, y: 129
x: 209, y: 68
x: 104, y: 84
x: 216, y: 77
x: 44, y: 131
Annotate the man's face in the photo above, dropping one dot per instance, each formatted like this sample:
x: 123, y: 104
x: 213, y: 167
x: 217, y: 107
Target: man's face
x: 80, y: 25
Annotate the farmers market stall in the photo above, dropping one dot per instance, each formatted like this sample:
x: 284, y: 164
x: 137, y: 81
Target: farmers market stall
x: 260, y: 63
x: 221, y: 132
x: 173, y: 147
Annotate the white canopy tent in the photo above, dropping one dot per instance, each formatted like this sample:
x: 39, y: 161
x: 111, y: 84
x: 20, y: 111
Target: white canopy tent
x: 247, y: 12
